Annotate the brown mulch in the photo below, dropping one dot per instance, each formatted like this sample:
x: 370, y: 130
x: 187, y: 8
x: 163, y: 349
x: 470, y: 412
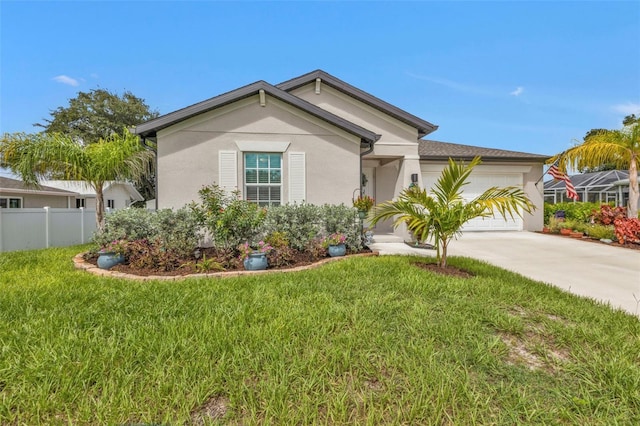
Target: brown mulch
x: 188, y: 266
x: 450, y: 271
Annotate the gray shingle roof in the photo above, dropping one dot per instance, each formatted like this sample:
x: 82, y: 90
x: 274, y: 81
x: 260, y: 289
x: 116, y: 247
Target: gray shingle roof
x: 590, y: 180
x: 435, y: 150
x: 150, y: 128
x: 423, y: 126
x: 14, y: 185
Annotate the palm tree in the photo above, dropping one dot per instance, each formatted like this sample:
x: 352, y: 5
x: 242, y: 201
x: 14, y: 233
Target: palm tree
x: 442, y: 213
x: 34, y: 156
x: 619, y: 147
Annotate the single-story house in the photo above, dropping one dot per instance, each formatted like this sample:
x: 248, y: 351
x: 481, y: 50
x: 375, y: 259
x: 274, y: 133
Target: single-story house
x: 117, y: 195
x: 318, y: 139
x: 604, y: 187
x: 16, y: 194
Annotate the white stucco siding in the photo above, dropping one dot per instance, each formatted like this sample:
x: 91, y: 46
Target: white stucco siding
x: 188, y: 151
x: 485, y: 176
x: 391, y: 129
x: 117, y: 193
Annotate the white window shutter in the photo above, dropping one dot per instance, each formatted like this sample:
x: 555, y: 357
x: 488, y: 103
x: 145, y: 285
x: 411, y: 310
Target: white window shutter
x: 297, y: 177
x: 228, y: 170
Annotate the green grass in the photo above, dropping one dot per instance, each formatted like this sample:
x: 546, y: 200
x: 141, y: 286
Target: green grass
x: 361, y: 341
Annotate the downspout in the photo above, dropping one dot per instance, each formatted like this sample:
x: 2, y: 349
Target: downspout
x: 155, y: 169
x: 362, y: 154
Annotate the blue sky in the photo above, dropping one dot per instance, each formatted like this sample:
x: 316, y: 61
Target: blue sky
x: 524, y: 76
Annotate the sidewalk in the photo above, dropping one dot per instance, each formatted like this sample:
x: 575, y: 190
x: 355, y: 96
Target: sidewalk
x: 605, y: 273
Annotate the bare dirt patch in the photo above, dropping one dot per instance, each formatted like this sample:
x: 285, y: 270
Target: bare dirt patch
x: 450, y: 271
x: 214, y: 408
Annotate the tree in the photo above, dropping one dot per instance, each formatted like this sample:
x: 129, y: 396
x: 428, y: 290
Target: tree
x: 96, y: 115
x: 618, y: 147
x: 116, y: 157
x: 442, y: 213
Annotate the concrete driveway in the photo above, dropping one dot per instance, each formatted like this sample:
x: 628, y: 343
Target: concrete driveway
x: 605, y: 273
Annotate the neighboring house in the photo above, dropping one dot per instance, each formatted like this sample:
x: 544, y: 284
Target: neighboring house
x: 317, y: 139
x: 117, y: 195
x: 607, y: 186
x: 15, y: 194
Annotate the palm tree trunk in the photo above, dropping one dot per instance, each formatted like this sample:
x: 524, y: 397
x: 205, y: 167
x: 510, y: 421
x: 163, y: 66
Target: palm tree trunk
x: 443, y: 260
x: 634, y: 195
x: 99, y: 206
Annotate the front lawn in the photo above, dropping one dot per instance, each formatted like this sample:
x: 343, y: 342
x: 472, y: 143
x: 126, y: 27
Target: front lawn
x: 363, y: 340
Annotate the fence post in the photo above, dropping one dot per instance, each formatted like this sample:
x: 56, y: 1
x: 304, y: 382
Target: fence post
x: 1, y: 238
x: 82, y: 224
x: 46, y: 226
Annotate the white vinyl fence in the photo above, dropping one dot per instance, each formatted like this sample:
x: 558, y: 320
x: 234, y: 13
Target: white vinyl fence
x: 28, y: 229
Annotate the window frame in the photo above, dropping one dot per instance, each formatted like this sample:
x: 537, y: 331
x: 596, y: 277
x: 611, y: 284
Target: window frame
x: 8, y: 201
x: 269, y: 173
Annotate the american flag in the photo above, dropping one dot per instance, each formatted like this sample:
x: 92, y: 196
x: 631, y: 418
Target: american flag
x: 557, y: 174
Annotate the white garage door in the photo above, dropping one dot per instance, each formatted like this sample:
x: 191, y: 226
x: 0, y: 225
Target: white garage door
x: 478, y: 183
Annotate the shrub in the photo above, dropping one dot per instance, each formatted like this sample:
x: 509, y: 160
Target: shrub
x: 627, y: 230
x: 344, y: 220
x: 229, y: 219
x: 281, y: 255
x: 177, y: 231
x: 148, y: 254
x: 581, y: 211
x: 298, y: 223
x: 600, y: 232
x: 606, y: 215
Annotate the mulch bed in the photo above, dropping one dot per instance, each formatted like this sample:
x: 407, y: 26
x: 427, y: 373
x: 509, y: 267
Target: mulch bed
x: 449, y: 271
x: 188, y: 266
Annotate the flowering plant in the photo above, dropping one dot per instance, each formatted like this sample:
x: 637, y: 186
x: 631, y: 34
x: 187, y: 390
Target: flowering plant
x: 334, y: 239
x: 118, y: 247
x: 245, y: 249
x: 363, y: 203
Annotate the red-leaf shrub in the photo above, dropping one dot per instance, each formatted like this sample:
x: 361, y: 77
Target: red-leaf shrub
x: 627, y: 230
x: 607, y: 214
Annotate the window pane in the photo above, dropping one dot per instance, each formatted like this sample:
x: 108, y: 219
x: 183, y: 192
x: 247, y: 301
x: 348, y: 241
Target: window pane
x: 275, y: 176
x: 263, y: 161
x: 251, y: 176
x: 251, y: 160
x: 3, y: 203
x: 275, y: 193
x: 14, y: 203
x: 252, y: 193
x: 275, y: 161
x: 263, y: 176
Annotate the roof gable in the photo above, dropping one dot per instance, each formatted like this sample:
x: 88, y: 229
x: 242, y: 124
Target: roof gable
x: 423, y: 126
x: 150, y: 128
x: 435, y: 150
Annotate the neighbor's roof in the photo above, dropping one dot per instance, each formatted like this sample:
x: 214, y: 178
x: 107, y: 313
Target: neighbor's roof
x: 19, y: 187
x: 435, y: 150
x: 84, y: 189
x: 150, y: 128
x: 423, y: 126
x: 591, y: 180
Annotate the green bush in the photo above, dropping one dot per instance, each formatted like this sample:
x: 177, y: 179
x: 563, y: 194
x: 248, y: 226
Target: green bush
x: 177, y: 231
x: 344, y: 220
x: 299, y: 223
x: 228, y: 218
x: 579, y: 211
x: 599, y: 232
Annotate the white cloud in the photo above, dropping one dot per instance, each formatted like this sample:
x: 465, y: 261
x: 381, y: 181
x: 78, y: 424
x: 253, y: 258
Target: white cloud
x: 64, y: 79
x: 627, y: 109
x: 518, y: 91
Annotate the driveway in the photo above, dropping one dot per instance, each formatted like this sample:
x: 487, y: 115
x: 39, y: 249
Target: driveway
x: 605, y: 273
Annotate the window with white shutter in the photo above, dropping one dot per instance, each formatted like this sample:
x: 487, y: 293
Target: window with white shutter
x: 297, y: 177
x: 228, y: 170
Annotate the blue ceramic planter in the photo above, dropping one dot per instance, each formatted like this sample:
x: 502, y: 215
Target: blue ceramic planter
x: 109, y: 260
x: 337, y: 250
x: 256, y: 261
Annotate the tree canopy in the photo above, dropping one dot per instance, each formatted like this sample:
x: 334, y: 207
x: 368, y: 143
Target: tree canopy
x: 117, y: 157
x: 97, y: 114
x: 619, y: 148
